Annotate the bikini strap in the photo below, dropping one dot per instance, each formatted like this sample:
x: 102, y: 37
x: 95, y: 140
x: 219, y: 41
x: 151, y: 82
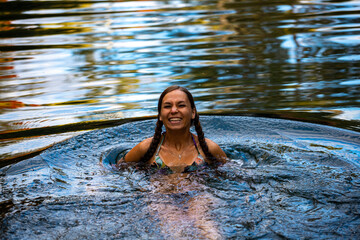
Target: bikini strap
x: 195, y: 143
x: 162, y: 140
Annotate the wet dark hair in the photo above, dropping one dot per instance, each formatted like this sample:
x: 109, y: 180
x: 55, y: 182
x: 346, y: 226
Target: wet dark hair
x: 159, y: 124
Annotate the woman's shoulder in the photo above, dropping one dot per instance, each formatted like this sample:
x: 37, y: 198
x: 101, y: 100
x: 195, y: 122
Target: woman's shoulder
x: 145, y: 144
x: 213, y: 146
x: 216, y: 150
x: 135, y: 154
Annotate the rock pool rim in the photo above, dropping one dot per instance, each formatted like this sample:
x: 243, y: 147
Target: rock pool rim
x: 315, y: 118
x: 320, y: 118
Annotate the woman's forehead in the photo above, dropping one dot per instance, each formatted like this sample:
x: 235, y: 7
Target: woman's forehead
x: 175, y: 96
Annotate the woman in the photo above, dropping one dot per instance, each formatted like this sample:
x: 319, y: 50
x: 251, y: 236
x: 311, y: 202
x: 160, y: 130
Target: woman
x: 177, y: 150
x: 179, y: 200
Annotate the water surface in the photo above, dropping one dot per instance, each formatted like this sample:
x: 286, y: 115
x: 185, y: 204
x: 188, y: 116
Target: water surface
x: 67, y: 66
x: 284, y: 180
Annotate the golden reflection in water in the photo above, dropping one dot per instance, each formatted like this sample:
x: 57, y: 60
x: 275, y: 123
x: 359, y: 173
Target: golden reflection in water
x: 108, y: 60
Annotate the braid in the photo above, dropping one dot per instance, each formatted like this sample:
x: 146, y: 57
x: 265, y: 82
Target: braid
x: 154, y: 143
x: 202, y: 141
x: 159, y: 124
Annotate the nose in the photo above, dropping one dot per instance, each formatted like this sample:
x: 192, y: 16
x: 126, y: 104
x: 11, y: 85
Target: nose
x: 174, y: 109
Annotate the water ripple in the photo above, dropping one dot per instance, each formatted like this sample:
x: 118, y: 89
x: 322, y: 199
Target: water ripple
x: 66, y: 62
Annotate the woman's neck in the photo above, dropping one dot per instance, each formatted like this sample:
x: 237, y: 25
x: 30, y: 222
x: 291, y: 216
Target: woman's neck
x: 178, y: 139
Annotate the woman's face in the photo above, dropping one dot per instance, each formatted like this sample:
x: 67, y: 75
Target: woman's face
x: 176, y: 112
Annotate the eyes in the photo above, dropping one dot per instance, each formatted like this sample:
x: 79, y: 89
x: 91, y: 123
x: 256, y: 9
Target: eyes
x: 181, y: 105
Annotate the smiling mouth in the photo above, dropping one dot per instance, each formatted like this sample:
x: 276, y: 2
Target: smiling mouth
x: 174, y: 120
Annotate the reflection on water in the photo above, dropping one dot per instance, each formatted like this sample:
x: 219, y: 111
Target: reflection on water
x: 73, y: 62
x: 285, y: 180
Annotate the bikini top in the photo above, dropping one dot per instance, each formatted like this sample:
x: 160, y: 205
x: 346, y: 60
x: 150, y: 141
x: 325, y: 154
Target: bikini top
x: 159, y: 164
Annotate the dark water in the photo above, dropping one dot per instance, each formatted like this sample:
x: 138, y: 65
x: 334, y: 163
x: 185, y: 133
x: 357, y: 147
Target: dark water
x: 286, y: 180
x: 67, y: 66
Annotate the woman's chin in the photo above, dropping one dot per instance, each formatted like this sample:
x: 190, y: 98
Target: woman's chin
x: 176, y: 126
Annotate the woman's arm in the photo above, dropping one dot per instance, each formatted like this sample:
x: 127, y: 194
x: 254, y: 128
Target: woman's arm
x: 135, y: 154
x: 216, y: 151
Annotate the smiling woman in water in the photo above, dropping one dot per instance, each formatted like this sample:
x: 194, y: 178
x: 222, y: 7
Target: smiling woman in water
x: 174, y: 154
x: 177, y: 150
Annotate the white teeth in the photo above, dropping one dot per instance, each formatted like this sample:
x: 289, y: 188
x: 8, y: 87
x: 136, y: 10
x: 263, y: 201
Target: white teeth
x: 175, y: 119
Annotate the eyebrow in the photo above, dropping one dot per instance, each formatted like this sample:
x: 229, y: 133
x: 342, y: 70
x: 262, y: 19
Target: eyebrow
x: 177, y: 102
